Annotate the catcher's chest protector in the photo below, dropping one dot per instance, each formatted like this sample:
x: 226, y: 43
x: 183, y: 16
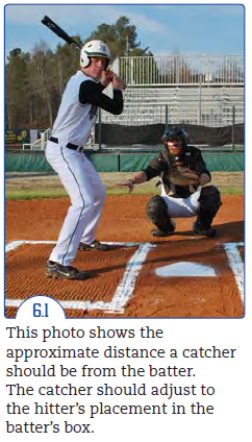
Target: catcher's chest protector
x: 185, y: 159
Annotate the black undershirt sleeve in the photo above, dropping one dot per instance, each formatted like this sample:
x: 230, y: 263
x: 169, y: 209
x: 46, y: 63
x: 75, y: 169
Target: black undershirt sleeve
x: 91, y: 92
x: 155, y: 168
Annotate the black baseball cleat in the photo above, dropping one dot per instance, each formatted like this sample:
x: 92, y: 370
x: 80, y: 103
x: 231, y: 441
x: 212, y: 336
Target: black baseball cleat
x: 161, y: 233
x: 198, y: 230
x: 57, y: 271
x: 95, y: 245
x: 165, y: 232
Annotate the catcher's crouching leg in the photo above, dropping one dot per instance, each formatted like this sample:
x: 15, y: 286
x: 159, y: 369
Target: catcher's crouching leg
x: 156, y: 212
x: 210, y: 202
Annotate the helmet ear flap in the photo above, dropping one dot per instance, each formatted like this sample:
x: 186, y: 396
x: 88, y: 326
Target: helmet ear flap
x: 106, y: 64
x: 85, y: 60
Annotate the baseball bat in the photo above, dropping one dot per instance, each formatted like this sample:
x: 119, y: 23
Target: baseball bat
x: 47, y: 21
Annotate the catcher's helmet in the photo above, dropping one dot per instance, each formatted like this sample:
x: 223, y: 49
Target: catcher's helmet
x: 174, y: 133
x: 94, y: 48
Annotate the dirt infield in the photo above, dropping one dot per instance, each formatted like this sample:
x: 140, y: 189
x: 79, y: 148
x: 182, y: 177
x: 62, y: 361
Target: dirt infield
x: 181, y: 276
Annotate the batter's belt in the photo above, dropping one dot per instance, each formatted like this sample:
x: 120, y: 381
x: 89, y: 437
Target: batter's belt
x: 69, y: 145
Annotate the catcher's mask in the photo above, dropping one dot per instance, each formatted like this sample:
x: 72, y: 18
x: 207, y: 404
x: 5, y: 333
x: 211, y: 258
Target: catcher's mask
x: 175, y: 139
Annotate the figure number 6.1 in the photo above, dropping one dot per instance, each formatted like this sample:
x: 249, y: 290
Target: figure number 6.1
x: 40, y: 311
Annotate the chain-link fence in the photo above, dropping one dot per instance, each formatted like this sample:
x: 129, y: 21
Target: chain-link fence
x: 182, y: 69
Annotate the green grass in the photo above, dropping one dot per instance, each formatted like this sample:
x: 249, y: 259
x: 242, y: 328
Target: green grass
x: 27, y: 194
x: 232, y: 190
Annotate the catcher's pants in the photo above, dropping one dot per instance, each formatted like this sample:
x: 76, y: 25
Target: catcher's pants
x: 182, y: 207
x: 87, y: 194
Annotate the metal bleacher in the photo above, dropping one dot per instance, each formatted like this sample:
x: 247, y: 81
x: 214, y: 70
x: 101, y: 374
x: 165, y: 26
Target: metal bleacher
x: 199, y: 90
x: 210, y: 106
x: 181, y: 89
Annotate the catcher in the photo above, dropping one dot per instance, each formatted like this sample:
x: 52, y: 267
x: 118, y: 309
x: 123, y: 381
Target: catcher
x: 184, y: 190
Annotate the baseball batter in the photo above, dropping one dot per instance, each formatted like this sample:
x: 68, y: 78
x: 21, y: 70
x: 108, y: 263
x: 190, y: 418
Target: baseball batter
x: 184, y: 180
x: 64, y: 152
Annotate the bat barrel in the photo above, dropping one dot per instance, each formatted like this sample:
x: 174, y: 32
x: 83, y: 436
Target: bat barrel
x: 47, y: 21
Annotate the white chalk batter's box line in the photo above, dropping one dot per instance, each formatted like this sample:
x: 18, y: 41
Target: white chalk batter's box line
x: 125, y: 289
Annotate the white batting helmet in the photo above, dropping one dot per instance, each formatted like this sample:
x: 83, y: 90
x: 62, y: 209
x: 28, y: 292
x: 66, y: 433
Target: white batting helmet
x: 94, y: 48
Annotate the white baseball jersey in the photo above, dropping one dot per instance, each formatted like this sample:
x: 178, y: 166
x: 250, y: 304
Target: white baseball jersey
x: 74, y: 120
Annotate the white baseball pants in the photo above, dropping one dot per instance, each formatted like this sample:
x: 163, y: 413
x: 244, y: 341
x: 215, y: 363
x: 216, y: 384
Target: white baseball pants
x: 87, y: 194
x: 181, y: 207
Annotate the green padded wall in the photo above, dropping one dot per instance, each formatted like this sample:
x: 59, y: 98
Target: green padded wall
x: 119, y: 162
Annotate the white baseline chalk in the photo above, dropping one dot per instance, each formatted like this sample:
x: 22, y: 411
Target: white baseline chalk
x: 123, y: 292
x: 126, y: 287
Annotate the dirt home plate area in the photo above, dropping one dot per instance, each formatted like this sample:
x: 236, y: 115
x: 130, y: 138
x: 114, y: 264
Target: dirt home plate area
x: 181, y: 276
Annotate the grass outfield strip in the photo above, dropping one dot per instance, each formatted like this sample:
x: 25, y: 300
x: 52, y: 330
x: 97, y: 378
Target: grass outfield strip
x: 37, y: 186
x: 26, y: 194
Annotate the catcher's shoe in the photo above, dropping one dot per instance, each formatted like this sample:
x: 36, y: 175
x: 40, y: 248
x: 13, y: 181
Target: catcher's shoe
x: 158, y: 232
x: 58, y: 271
x: 198, y: 230
x: 166, y: 232
x: 95, y: 245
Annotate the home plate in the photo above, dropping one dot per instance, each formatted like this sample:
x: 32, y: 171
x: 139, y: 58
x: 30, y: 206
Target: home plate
x: 185, y: 269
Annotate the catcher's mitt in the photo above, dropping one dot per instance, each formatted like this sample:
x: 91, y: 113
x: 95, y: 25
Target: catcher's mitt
x: 182, y: 176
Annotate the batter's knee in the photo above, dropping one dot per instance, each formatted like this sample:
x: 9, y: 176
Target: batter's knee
x: 99, y: 194
x: 102, y: 193
x: 87, y: 204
